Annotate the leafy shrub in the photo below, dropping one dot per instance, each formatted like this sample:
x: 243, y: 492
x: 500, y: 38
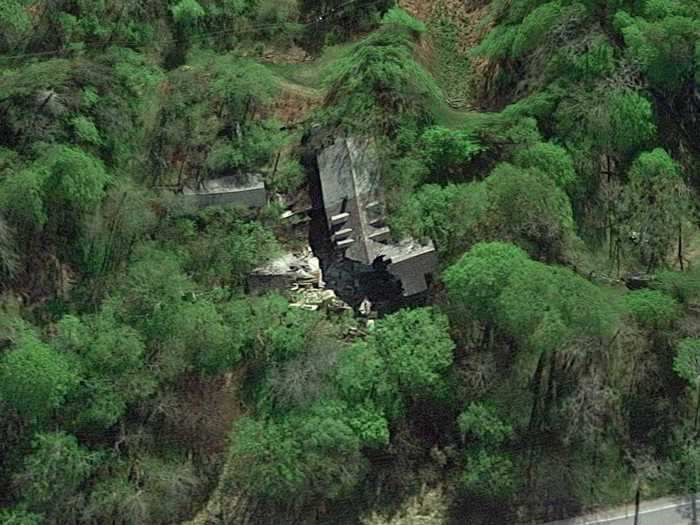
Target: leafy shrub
x: 550, y: 159
x: 651, y: 308
x: 380, y: 80
x: 34, y: 378
x: 480, y: 421
x: 447, y: 151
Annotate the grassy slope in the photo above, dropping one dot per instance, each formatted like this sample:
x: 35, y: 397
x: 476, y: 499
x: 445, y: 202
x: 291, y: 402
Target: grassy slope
x: 310, y: 74
x: 306, y: 78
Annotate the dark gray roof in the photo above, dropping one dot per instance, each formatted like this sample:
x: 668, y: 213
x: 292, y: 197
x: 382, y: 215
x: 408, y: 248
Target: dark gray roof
x: 352, y: 198
x: 245, y: 190
x: 354, y: 208
x: 411, y: 262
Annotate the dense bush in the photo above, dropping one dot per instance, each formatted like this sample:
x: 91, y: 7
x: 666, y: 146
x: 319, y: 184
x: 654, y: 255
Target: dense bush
x: 141, y: 383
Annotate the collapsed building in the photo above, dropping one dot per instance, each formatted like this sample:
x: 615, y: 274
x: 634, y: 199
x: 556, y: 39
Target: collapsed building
x: 353, y: 249
x: 354, y: 208
x: 286, y: 272
x: 299, y: 276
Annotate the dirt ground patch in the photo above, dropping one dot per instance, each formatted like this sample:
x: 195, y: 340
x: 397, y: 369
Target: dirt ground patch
x: 454, y: 28
x: 295, y: 103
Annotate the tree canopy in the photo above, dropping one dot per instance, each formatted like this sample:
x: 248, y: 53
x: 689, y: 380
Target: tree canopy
x: 168, y: 356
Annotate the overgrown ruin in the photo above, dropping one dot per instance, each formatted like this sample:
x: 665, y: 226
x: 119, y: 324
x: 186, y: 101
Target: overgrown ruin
x: 351, y: 247
x: 354, y: 207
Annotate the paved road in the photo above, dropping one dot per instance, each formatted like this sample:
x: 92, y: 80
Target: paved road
x: 667, y: 511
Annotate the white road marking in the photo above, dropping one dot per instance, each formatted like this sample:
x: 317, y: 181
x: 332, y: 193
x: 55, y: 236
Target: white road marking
x: 641, y: 512
x: 598, y: 519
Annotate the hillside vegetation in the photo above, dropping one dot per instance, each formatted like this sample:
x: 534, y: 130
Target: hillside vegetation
x: 550, y: 149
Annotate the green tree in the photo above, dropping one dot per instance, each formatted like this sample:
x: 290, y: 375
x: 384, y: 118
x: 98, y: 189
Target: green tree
x: 9, y: 257
x: 142, y: 489
x: 370, y: 424
x: 652, y: 309
x: 526, y: 207
x: 687, y: 365
x: 498, y: 43
x: 124, y: 217
x: 393, y: 365
x: 62, y: 185
x: 53, y: 476
x: 277, y: 20
x: 241, y: 86
x: 448, y: 151
x: 219, y: 132
x: 183, y: 333
x: 153, y: 286
x: 117, y: 496
x: 362, y: 378
x: 682, y: 286
x: 544, y: 309
x: 15, y: 22
x: 306, y: 455
x: 380, y: 80
x: 597, y: 63
x: 20, y: 517
x: 75, y: 179
x: 550, y: 159
x: 689, y: 463
x: 22, y: 200
x: 488, y: 475
x: 534, y: 28
x: 187, y: 12
x: 86, y: 131
x: 615, y: 122
x: 476, y: 281
x: 200, y: 339
x: 488, y: 471
x: 629, y: 123
x: 663, y: 43
x: 34, y: 378
x: 187, y: 15
x: 540, y: 297
x: 657, y: 201
x: 113, y: 367
x: 270, y: 330
x: 452, y: 216
x: 400, y: 340
x: 253, y: 149
x: 480, y: 422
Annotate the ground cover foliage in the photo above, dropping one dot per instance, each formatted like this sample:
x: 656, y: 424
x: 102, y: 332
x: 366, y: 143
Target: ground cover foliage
x: 140, y: 383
